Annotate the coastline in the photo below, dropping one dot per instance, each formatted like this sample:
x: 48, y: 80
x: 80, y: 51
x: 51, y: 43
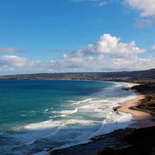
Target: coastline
x: 111, y: 139
x: 143, y: 119
x: 140, y: 118
x: 116, y: 141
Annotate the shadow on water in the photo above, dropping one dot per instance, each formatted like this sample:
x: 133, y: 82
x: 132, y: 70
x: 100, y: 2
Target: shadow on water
x: 135, y: 141
x: 48, y: 139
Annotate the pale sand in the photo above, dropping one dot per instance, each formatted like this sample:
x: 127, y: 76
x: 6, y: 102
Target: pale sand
x: 143, y: 119
x: 133, y: 84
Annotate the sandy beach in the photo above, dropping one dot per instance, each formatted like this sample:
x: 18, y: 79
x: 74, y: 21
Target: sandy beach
x: 116, y: 139
x: 143, y: 119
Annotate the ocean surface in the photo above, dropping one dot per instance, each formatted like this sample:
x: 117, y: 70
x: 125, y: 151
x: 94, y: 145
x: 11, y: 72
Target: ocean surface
x: 38, y: 115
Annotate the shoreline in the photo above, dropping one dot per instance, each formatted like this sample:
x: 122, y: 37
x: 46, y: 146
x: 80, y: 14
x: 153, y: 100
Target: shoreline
x: 143, y: 119
x: 140, y: 118
x: 115, y: 139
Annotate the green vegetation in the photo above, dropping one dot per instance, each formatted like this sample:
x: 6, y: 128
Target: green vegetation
x: 147, y: 104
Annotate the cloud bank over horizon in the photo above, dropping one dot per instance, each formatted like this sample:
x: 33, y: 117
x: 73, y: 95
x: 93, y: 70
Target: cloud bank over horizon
x: 106, y: 54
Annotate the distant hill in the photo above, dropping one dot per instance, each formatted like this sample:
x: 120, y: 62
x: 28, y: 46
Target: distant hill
x: 133, y: 76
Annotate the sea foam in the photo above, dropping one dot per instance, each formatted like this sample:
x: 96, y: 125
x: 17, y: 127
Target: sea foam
x: 77, y: 123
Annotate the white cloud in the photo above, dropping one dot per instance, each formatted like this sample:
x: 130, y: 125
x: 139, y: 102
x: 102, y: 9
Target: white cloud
x: 108, y: 45
x: 106, y: 63
x: 107, y: 54
x: 146, y: 7
x: 10, y: 50
x: 18, y: 62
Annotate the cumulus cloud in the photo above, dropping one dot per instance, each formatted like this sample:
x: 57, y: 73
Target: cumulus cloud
x: 15, y: 65
x: 147, y: 12
x: 10, y: 50
x: 17, y: 62
x: 107, y: 54
x: 146, y: 7
x: 108, y: 44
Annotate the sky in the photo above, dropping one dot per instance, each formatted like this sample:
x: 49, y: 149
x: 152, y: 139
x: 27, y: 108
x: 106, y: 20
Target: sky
x: 49, y: 36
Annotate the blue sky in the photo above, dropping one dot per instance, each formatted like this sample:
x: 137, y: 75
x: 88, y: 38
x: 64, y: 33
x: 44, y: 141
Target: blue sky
x: 76, y: 35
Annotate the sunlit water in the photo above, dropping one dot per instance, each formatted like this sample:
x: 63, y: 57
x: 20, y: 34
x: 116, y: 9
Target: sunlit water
x: 38, y: 115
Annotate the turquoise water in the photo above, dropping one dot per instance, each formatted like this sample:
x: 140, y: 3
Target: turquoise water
x: 55, y: 113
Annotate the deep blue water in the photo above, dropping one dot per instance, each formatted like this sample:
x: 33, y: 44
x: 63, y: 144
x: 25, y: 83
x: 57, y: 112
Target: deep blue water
x: 56, y: 110
x: 30, y: 97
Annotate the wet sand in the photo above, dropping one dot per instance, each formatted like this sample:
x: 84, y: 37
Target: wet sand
x: 143, y: 119
x: 116, y: 138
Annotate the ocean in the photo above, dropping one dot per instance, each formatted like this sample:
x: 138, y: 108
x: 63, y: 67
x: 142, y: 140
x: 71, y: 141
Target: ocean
x: 40, y: 115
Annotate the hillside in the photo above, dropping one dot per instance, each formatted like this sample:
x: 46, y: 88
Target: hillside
x: 134, y: 76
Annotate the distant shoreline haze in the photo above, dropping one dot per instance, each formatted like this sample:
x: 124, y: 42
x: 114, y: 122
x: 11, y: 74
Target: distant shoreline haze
x: 133, y: 76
